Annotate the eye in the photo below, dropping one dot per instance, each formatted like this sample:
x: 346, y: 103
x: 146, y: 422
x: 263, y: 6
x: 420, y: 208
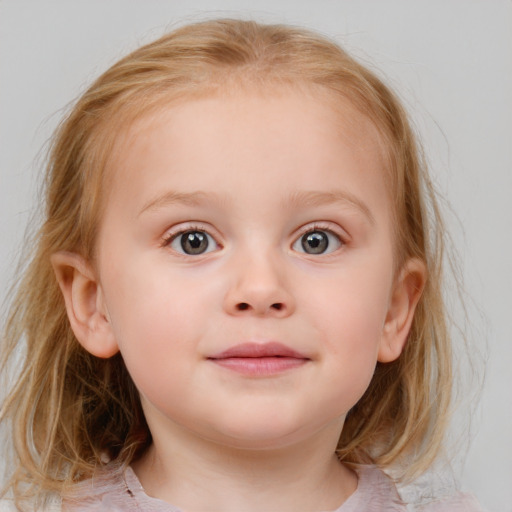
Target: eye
x: 193, y: 242
x: 317, y: 241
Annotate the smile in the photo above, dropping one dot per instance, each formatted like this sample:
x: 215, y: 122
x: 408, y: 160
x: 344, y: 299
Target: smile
x: 254, y: 359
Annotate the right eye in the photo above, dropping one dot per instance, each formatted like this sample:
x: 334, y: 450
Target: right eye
x: 317, y: 242
x: 193, y: 242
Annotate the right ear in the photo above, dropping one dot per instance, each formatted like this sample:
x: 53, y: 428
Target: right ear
x: 85, y: 304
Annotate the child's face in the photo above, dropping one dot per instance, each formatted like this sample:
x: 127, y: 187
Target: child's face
x: 249, y: 226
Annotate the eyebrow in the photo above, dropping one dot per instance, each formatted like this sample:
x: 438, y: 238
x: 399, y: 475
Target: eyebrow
x: 318, y: 198
x: 186, y: 198
x: 298, y: 200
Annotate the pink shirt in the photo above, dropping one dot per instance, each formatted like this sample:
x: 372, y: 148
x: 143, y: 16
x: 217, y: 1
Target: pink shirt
x: 117, y: 491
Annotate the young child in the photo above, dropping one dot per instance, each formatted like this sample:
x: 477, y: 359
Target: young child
x: 234, y: 302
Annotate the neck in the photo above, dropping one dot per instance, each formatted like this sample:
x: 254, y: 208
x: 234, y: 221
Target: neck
x: 302, y: 476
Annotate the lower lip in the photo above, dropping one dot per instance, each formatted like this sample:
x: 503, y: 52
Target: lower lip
x: 260, y: 366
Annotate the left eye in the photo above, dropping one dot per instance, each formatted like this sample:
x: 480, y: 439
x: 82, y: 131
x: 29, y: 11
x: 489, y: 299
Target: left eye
x: 193, y: 242
x: 317, y: 241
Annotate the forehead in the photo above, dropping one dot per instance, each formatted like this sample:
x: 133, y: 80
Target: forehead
x: 256, y: 154
x: 252, y: 130
x: 261, y: 162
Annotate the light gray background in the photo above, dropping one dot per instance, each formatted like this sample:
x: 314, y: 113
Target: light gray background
x: 451, y: 61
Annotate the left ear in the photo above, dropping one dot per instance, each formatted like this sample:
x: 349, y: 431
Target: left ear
x: 405, y: 295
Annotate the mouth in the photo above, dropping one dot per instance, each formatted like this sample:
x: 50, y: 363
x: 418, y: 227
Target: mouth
x: 256, y: 359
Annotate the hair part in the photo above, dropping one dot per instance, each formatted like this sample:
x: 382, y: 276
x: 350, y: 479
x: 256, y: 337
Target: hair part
x: 68, y: 409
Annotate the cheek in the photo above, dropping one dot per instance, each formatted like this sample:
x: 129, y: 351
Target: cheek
x: 155, y: 321
x: 349, y: 314
x: 351, y: 307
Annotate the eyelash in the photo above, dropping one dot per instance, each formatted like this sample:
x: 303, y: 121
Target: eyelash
x: 341, y: 240
x: 169, y: 238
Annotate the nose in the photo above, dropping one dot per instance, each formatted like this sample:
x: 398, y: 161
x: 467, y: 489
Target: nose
x: 258, y: 288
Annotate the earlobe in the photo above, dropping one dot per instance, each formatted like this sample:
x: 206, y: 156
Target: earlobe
x: 85, y: 304
x: 404, y: 299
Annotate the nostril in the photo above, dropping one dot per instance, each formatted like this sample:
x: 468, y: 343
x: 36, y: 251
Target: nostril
x: 242, y: 306
x: 278, y: 306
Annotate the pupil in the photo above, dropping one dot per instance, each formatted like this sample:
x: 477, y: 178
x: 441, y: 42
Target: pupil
x: 194, y: 242
x: 315, y: 242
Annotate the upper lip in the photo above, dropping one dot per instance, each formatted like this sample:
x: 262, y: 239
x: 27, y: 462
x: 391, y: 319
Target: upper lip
x: 249, y: 350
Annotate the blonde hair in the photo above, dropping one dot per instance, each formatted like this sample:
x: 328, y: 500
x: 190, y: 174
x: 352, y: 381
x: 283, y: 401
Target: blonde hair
x: 69, y: 409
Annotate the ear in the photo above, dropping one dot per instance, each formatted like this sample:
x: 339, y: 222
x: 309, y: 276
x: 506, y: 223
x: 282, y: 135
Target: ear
x: 85, y: 304
x: 405, y: 295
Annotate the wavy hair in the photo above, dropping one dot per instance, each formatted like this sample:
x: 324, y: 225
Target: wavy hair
x: 69, y: 410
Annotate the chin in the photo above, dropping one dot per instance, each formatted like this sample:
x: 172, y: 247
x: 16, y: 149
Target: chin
x: 272, y: 434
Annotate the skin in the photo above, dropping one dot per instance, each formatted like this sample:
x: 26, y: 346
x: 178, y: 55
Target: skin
x: 255, y: 173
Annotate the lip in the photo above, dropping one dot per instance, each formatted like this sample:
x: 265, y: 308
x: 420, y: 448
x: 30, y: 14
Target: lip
x: 260, y: 359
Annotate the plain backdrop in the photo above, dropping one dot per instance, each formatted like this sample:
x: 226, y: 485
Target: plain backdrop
x: 450, y: 60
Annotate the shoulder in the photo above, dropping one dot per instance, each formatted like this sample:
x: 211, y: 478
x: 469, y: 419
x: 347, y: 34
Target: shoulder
x: 52, y: 506
x: 437, y: 491
x: 7, y: 506
x: 377, y: 492
x: 459, y: 502
x: 105, y: 491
